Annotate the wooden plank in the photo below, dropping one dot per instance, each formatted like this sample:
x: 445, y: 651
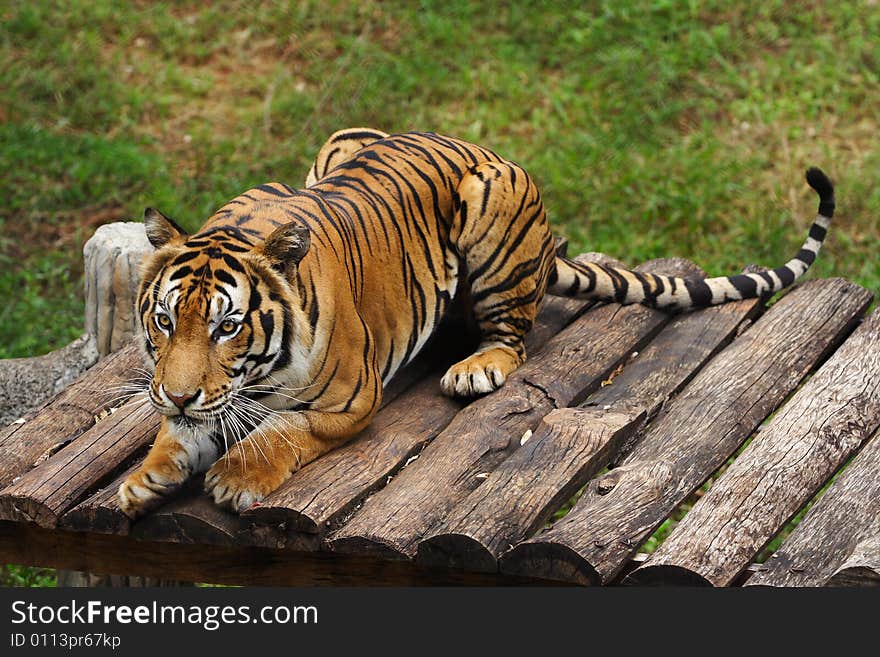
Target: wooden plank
x: 694, y: 435
x: 191, y: 517
x: 863, y: 566
x: 22, y: 543
x: 50, y: 427
x: 100, y: 512
x: 188, y: 516
x: 570, y: 446
x: 780, y: 471
x: 572, y: 365
x: 671, y: 360
x: 831, y: 531
x: 44, y: 493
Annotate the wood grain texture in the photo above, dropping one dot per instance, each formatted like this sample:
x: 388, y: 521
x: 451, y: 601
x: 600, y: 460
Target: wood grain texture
x: 481, y: 436
x: 568, y: 447
x: 56, y: 423
x: 671, y: 360
x: 99, y: 512
x: 693, y: 436
x: 220, y: 564
x: 780, y: 471
x: 862, y: 568
x: 518, y: 497
x: 831, y: 531
x: 46, y: 492
x: 190, y: 517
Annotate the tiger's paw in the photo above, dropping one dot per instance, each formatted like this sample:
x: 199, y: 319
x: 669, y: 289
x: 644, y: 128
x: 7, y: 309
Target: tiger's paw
x: 480, y: 373
x: 144, y: 490
x: 237, y: 482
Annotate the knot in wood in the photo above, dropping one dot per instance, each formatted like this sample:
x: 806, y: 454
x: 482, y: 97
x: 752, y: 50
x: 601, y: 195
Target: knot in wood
x: 606, y: 484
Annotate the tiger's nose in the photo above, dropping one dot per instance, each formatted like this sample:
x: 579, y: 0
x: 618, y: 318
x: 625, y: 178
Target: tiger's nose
x: 180, y: 399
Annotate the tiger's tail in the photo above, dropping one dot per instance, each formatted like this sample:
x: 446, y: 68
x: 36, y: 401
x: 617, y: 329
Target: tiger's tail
x: 604, y: 283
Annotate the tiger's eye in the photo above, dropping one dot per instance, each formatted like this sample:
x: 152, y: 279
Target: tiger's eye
x: 227, y: 326
x: 164, y: 321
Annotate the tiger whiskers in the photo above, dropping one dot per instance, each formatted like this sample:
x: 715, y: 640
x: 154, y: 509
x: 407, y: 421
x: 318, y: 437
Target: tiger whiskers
x: 256, y: 421
x: 276, y: 381
x: 257, y: 431
x: 110, y: 395
x: 124, y: 397
x: 278, y: 389
x: 286, y: 396
x: 254, y: 444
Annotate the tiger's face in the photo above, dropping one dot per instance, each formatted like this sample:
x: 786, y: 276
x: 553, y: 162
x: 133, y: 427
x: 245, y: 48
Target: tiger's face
x: 217, y: 314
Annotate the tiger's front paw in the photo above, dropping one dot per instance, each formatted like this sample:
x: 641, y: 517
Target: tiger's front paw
x: 238, y: 480
x: 143, y: 490
x: 479, y: 373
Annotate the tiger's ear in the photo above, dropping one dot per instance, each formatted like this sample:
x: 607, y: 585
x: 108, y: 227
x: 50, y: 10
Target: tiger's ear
x: 161, y: 230
x: 286, y: 246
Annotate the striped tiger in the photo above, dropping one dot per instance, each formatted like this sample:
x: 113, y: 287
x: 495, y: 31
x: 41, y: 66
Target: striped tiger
x: 273, y: 329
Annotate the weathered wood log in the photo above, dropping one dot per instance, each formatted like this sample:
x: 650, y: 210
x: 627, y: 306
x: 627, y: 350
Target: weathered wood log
x: 572, y: 365
x: 100, y: 511
x: 780, y: 471
x: 112, y: 275
x: 568, y: 447
x: 189, y: 517
x: 519, y: 496
x: 219, y: 564
x: 863, y: 566
x: 693, y: 436
x: 831, y: 531
x: 671, y: 360
x: 49, y: 428
x: 26, y: 383
x: 42, y: 495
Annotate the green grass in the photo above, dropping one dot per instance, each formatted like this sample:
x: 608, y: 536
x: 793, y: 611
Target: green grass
x: 25, y: 576
x: 653, y: 128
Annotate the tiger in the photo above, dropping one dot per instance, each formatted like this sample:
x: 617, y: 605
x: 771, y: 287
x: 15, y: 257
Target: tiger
x: 272, y: 331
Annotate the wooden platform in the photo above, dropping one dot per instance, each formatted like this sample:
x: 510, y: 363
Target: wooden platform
x: 636, y: 407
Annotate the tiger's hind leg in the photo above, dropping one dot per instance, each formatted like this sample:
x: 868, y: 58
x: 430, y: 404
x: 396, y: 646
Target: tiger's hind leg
x: 500, y: 231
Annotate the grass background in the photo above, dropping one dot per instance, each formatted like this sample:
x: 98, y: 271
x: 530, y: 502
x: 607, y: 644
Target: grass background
x: 653, y: 128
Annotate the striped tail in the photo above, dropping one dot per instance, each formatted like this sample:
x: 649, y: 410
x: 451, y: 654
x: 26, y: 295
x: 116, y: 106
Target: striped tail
x: 588, y: 280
